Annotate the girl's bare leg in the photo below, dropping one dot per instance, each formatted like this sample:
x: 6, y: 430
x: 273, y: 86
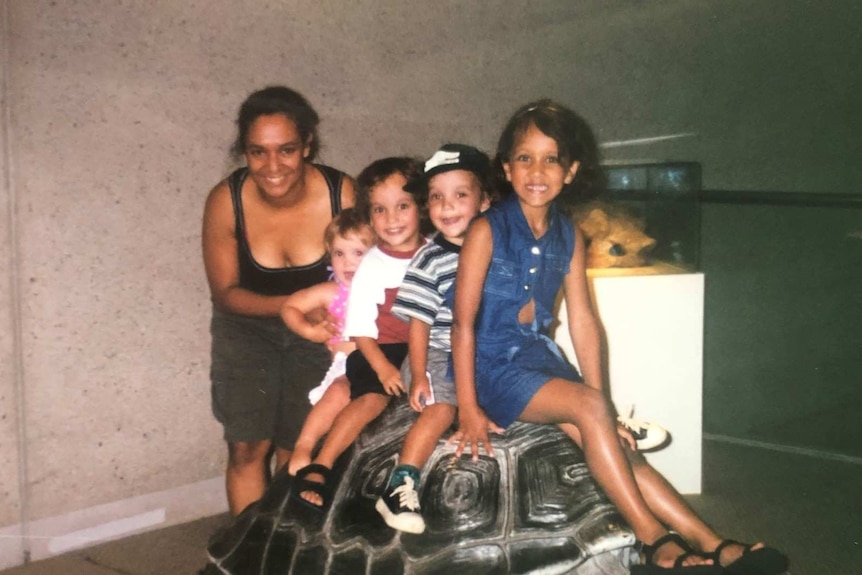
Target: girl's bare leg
x: 672, y: 510
x: 345, y: 429
x: 561, y: 401
x: 664, y: 501
x: 424, y: 433
x: 318, y: 423
x: 668, y: 505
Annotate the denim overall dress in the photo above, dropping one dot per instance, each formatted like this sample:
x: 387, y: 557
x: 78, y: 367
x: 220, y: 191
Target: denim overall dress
x: 514, y: 360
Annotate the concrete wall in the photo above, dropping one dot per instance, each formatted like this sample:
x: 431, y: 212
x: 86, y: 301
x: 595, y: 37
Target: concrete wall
x: 120, y: 115
x: 783, y: 345
x: 10, y: 493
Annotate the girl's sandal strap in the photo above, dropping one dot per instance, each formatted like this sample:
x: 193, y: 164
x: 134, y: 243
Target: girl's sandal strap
x: 671, y: 536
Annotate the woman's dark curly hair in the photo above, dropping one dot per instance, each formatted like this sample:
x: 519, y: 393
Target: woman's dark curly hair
x: 278, y: 100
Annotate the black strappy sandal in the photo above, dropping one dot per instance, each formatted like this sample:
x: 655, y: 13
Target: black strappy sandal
x: 649, y: 568
x: 301, y: 483
x: 763, y: 561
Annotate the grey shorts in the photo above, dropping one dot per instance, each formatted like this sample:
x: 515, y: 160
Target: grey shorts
x: 442, y: 386
x: 261, y: 374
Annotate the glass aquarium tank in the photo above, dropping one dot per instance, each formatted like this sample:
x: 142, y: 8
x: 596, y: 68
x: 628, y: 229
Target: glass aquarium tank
x: 663, y: 200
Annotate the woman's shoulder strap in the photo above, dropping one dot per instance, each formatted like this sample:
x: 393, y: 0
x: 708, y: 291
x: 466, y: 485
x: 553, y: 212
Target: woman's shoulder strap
x: 235, y: 182
x: 334, y: 179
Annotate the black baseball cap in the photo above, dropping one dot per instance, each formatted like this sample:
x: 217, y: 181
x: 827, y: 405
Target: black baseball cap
x: 451, y: 157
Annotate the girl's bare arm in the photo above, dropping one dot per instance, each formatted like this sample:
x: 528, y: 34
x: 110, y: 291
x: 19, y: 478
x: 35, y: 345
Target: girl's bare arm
x: 583, y: 325
x: 472, y: 270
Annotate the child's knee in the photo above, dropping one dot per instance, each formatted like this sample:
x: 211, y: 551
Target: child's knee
x: 442, y: 413
x: 339, y: 390
x: 595, y: 402
x: 371, y: 404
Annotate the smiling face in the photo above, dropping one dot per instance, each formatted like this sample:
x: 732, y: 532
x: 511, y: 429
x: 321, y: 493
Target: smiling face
x: 347, y: 251
x: 454, y: 199
x: 535, y: 170
x: 275, y: 154
x: 394, y: 215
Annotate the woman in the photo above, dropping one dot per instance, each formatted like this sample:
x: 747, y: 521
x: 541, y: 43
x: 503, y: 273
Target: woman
x: 263, y: 240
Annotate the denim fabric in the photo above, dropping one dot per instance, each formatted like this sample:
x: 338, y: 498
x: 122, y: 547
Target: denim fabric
x: 514, y: 360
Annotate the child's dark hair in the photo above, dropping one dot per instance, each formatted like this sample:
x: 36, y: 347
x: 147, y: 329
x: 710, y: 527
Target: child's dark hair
x: 278, y: 100
x: 575, y: 143
x: 377, y: 172
x: 476, y: 163
x: 348, y: 221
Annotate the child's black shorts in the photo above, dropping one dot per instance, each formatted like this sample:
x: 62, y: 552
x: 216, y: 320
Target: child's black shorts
x: 363, y: 379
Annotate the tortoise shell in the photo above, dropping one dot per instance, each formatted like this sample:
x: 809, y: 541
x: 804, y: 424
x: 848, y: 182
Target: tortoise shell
x: 532, y: 508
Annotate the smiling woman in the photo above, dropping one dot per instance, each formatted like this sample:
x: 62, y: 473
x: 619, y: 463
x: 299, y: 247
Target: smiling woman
x: 263, y: 230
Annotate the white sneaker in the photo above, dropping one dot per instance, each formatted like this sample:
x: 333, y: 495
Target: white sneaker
x: 399, y: 508
x: 648, y: 436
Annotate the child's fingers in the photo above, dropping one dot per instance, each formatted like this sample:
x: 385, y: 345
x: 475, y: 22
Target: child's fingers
x: 463, y: 441
x: 474, y: 449
x: 458, y: 438
x: 482, y: 441
x: 627, y: 438
x: 489, y: 449
x: 416, y: 401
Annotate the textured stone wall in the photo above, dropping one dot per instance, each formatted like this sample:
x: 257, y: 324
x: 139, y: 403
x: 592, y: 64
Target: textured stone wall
x: 9, y: 451
x: 121, y: 114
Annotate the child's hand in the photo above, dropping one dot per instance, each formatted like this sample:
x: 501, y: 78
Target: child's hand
x: 626, y: 438
x: 391, y: 380
x: 420, y: 392
x: 473, y: 427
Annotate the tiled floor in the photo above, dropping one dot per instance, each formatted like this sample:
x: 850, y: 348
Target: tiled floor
x: 809, y: 507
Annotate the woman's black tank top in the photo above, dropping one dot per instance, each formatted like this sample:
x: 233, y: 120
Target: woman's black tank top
x: 279, y: 281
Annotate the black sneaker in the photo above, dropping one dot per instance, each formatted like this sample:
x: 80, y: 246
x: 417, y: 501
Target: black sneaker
x: 399, y: 508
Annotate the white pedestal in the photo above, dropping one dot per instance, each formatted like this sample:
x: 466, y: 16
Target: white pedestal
x: 653, y: 322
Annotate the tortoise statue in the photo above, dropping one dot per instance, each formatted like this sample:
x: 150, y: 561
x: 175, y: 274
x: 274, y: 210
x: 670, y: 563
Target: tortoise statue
x: 532, y: 508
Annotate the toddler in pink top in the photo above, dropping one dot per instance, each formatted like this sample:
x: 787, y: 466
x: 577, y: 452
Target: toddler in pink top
x: 347, y: 239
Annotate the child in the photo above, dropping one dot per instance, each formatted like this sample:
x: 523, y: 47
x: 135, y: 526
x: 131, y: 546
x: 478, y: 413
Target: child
x: 347, y: 238
x: 456, y: 187
x: 381, y: 338
x: 521, y: 252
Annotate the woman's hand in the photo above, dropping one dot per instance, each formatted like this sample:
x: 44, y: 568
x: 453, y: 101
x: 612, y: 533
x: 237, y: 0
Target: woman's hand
x: 420, y: 392
x: 321, y: 327
x: 473, y: 427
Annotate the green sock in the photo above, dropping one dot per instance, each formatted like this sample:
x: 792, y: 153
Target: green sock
x: 402, y: 471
